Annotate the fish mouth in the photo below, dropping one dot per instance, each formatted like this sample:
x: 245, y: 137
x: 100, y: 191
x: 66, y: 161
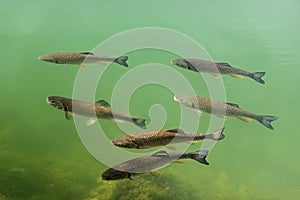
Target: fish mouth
x: 48, y: 100
x: 176, y: 98
x: 117, y: 143
x: 172, y: 62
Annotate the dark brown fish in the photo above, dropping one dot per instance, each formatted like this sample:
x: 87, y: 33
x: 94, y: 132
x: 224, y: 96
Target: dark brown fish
x: 223, y: 109
x: 144, y: 140
x: 81, y: 58
x: 101, y: 108
x: 216, y: 68
x: 150, y: 163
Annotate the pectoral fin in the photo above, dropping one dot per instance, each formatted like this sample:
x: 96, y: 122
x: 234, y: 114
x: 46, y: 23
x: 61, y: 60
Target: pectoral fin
x: 197, y: 112
x: 135, y: 180
x: 90, y: 121
x: 82, y: 65
x: 155, y: 173
x: 68, y: 115
x: 237, y: 76
x: 190, y: 66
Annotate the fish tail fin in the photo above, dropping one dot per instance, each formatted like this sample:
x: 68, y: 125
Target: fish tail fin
x: 266, y: 121
x: 217, y: 135
x: 200, y: 156
x: 122, y: 60
x: 139, y: 122
x: 257, y: 76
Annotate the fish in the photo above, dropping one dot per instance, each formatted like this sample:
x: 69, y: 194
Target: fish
x: 223, y: 109
x: 150, y: 164
x: 217, y: 68
x: 82, y: 58
x: 145, y: 140
x: 101, y: 109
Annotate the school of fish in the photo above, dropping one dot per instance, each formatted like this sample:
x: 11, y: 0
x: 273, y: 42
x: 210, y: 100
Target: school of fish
x: 150, y: 139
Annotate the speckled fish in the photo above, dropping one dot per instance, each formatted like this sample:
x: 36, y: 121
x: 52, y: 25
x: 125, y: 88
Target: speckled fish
x: 101, y: 108
x: 144, y: 140
x: 150, y: 163
x: 216, y: 68
x: 81, y: 58
x: 222, y: 109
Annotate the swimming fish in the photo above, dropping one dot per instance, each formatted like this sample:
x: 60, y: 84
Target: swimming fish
x: 101, y: 108
x: 150, y: 163
x: 223, y: 109
x: 217, y: 68
x: 144, y: 140
x: 81, y: 58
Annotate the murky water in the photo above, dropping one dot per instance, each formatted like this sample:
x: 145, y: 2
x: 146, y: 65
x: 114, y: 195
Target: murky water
x: 41, y: 154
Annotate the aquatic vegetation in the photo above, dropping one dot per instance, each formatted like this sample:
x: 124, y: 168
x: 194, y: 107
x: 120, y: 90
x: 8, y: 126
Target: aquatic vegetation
x: 29, y: 179
x: 145, y: 187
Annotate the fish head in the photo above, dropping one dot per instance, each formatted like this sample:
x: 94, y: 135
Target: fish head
x: 181, y: 63
x: 114, y: 174
x: 179, y: 99
x: 48, y: 58
x: 123, y: 142
x: 186, y: 101
x: 55, y: 101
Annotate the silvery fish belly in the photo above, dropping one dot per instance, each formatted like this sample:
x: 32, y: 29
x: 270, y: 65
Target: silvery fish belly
x: 217, y: 68
x: 150, y: 163
x: 82, y: 58
x: 223, y: 109
x: 144, y: 140
x: 101, y: 109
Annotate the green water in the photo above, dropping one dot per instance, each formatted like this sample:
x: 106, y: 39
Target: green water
x: 41, y: 155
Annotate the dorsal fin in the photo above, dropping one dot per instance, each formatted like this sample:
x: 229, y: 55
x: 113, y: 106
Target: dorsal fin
x: 233, y: 104
x: 87, y: 53
x: 225, y: 64
x: 103, y: 103
x: 176, y: 130
x: 160, y: 153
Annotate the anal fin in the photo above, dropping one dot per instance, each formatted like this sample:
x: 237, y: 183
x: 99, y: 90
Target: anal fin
x: 116, y: 121
x: 192, y: 142
x: 245, y: 119
x: 237, y: 76
x: 102, y: 62
x: 178, y: 161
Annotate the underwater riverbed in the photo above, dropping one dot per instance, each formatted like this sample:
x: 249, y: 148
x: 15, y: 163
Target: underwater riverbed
x: 41, y: 153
